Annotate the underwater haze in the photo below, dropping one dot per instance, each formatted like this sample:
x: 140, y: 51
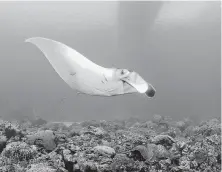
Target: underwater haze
x: 175, y: 46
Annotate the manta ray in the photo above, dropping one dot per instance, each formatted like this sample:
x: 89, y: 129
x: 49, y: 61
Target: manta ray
x: 85, y: 76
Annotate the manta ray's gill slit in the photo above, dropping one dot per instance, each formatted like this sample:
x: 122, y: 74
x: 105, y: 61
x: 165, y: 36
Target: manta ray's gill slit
x: 105, y: 78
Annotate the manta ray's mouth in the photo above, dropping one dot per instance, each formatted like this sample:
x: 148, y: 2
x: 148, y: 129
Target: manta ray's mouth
x: 135, y: 83
x: 141, y: 88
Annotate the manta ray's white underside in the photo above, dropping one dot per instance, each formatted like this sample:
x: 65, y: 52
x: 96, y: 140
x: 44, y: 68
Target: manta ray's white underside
x: 80, y: 73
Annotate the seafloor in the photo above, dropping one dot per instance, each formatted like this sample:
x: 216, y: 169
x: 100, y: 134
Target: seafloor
x: 132, y: 145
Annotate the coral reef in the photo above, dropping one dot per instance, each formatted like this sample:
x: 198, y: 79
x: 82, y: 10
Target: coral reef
x: 133, y: 145
x: 44, y: 138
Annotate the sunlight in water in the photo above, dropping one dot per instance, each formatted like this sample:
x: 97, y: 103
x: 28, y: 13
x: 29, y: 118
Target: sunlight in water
x: 180, y: 12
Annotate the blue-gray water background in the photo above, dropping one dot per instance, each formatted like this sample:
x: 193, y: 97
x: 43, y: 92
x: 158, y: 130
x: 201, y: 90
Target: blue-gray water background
x: 173, y: 45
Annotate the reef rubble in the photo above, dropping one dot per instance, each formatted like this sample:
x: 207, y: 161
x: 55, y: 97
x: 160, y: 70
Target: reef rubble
x: 133, y: 145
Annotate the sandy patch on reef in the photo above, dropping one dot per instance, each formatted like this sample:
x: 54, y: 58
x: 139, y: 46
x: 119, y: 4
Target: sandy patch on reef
x: 65, y: 123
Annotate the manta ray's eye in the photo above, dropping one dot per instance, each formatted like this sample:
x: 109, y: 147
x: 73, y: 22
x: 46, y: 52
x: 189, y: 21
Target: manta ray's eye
x: 122, y: 73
